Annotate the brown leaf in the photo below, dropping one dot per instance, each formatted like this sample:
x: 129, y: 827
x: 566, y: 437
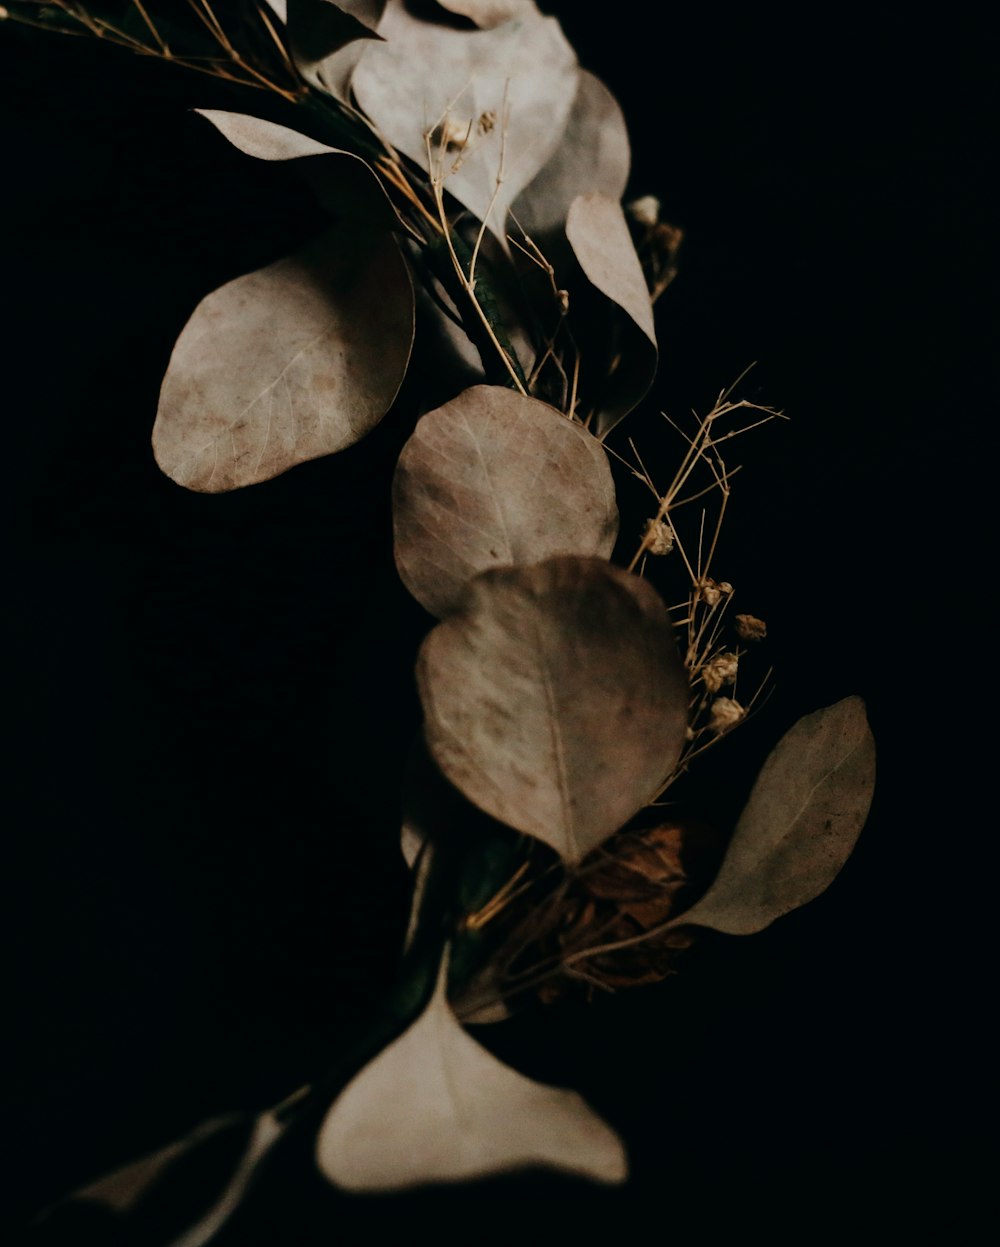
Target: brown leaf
x: 491, y: 479
x: 555, y: 698
x: 599, y: 235
x: 435, y: 1107
x: 800, y: 824
x: 510, y: 88
x: 296, y: 360
x: 594, y: 155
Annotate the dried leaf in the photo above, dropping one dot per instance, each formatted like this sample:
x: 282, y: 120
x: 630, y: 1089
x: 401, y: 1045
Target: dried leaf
x: 555, y: 698
x: 265, y: 140
x: 594, y: 155
x: 347, y: 186
x: 490, y: 479
x: 326, y: 39
x: 434, y: 1107
x: 489, y: 13
x: 296, y: 360
x: 800, y: 824
x: 480, y: 93
x: 599, y: 235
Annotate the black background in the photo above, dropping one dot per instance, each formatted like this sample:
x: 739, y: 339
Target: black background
x: 209, y: 698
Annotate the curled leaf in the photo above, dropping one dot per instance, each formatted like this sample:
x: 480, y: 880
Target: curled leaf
x: 598, y: 233
x: 296, y: 360
x: 592, y: 156
x: 434, y: 1107
x: 555, y: 698
x: 800, y: 824
x: 483, y: 97
x: 490, y: 479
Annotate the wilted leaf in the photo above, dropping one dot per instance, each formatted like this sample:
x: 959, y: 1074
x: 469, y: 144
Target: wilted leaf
x: 434, y: 1106
x: 491, y: 479
x: 800, y: 824
x: 592, y: 156
x: 599, y: 235
x: 297, y: 360
x: 510, y: 88
x: 326, y: 39
x: 489, y: 13
x: 555, y: 698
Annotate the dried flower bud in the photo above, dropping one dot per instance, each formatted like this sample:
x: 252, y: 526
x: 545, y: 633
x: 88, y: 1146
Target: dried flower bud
x: 726, y: 713
x: 719, y: 671
x: 487, y: 121
x: 750, y: 628
x: 563, y: 297
x: 645, y: 210
x: 452, y: 134
x: 711, y: 592
x: 658, y: 537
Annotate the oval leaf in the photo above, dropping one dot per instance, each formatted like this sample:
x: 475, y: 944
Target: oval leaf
x: 484, y: 95
x: 555, y: 699
x: 598, y: 233
x: 296, y: 360
x: 491, y: 479
x: 800, y: 824
x: 594, y: 155
x: 434, y: 1106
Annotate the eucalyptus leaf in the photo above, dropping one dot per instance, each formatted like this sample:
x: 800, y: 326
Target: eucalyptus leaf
x: 435, y: 1106
x: 555, y: 698
x: 264, y: 140
x: 494, y: 478
x: 594, y: 155
x: 481, y: 95
x: 326, y: 39
x: 489, y: 13
x: 800, y: 824
x: 346, y: 185
x: 598, y: 233
x: 294, y: 361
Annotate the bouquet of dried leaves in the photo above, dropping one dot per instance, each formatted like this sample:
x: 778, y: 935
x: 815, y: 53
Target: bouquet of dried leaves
x: 473, y: 173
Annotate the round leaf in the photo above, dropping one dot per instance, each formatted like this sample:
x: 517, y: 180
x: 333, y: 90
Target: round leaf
x: 435, y: 1106
x: 800, y: 824
x: 493, y: 478
x: 489, y: 13
x: 297, y: 360
x: 555, y: 699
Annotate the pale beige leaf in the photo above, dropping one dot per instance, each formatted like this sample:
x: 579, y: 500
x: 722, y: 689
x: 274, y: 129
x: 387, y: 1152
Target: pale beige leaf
x: 489, y: 13
x: 479, y: 92
x: 555, y: 699
x: 294, y: 361
x: 279, y: 8
x: 265, y: 140
x: 436, y: 1107
x: 599, y: 235
x: 800, y: 824
x: 594, y: 155
x: 491, y: 479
